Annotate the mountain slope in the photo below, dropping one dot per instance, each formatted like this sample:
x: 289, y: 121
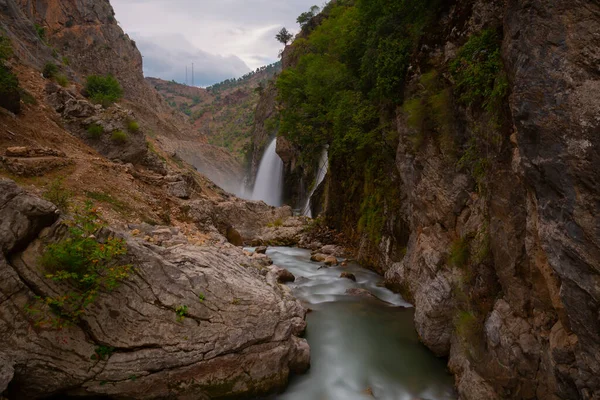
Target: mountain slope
x: 223, y: 113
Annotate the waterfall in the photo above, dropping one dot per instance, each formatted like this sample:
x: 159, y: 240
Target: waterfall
x: 322, y: 171
x: 269, y: 179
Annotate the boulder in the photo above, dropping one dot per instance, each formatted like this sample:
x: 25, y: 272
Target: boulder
x: 261, y: 250
x: 359, y: 292
x: 234, y: 237
x: 332, y: 250
x: 331, y: 260
x: 238, y: 338
x: 348, y: 275
x: 282, y: 274
x: 318, y: 257
x: 178, y: 189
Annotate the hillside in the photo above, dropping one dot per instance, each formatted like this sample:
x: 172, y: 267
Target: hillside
x: 464, y: 162
x: 223, y: 113
x: 122, y: 268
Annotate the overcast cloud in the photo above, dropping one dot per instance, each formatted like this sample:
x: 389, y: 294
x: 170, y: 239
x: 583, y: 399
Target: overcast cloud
x: 223, y: 38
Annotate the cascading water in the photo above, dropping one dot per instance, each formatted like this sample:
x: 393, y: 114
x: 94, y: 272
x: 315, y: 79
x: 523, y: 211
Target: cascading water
x: 323, y: 167
x: 269, y: 179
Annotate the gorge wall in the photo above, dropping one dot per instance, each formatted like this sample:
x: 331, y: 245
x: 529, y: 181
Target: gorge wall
x: 464, y: 167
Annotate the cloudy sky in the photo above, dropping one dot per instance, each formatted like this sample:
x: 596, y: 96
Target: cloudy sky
x: 223, y: 38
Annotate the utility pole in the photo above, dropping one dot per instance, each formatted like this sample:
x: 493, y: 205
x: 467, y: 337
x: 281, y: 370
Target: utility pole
x: 192, y: 74
x: 186, y: 79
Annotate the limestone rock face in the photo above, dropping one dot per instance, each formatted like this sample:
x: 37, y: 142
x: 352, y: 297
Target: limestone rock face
x: 238, y: 336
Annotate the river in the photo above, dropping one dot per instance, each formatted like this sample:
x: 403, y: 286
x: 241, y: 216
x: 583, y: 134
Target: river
x: 359, y: 345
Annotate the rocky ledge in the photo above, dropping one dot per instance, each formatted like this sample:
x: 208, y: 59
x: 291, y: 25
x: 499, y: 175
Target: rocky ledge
x: 237, y: 336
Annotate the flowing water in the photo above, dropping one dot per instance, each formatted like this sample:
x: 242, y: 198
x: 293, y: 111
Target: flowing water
x: 359, y: 345
x: 321, y: 172
x: 268, y: 186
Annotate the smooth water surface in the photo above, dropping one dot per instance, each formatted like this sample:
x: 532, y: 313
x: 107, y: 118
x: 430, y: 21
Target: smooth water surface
x: 359, y: 343
x: 268, y: 186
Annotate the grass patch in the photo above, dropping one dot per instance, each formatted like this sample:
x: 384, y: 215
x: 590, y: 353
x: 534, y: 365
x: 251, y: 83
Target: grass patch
x: 276, y: 224
x: 58, y: 195
x: 50, y: 70
x: 40, y: 31
x: 28, y: 97
x: 117, y: 204
x: 95, y: 131
x: 62, y: 80
x: 119, y: 137
x: 459, y: 252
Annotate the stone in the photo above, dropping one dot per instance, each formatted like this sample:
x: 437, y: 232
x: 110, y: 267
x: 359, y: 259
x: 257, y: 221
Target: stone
x: 332, y: 250
x: 348, y: 275
x: 178, y: 189
x: 282, y: 275
x: 261, y: 250
x: 330, y: 260
x: 234, y: 237
x: 318, y: 257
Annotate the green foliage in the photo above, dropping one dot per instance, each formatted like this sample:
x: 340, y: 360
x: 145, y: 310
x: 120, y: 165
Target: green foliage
x: 283, y: 36
x: 61, y: 80
x: 459, y: 252
x: 9, y: 83
x: 95, y: 131
x: 5, y: 48
x: 181, y: 312
x: 40, y: 31
x: 66, y: 61
x: 81, y: 266
x: 479, y: 72
x: 201, y: 297
x: 50, y: 70
x: 119, y: 137
x: 103, y: 90
x: 133, y: 126
x: 102, y: 353
x: 58, y: 195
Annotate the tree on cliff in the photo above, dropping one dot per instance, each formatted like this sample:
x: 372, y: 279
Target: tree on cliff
x: 284, y: 36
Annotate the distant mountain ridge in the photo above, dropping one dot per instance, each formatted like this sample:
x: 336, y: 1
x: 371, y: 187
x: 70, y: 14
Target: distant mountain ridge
x: 224, y: 112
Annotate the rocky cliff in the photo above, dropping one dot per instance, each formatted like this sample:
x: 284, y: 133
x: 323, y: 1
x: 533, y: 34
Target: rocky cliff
x: 85, y: 37
x: 478, y: 199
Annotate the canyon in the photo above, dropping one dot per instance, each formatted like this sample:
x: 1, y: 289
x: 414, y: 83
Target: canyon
x: 451, y: 148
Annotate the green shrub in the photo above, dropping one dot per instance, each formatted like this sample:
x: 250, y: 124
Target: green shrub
x: 119, y: 137
x: 478, y: 71
x: 102, y: 353
x: 276, y: 224
x: 82, y: 267
x: 5, y: 48
x: 50, y: 70
x: 58, y: 195
x: 103, y: 90
x: 61, y: 80
x: 95, y: 131
x: 133, y: 126
x: 69, y: 23
x: 40, y: 31
x: 181, y: 312
x: 66, y: 61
